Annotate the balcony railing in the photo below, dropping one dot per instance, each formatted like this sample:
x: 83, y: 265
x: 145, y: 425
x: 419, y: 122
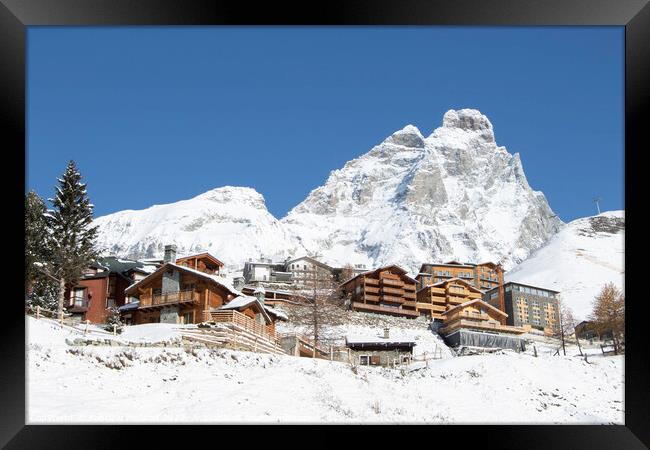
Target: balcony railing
x: 240, y: 320
x: 169, y: 298
x: 395, y: 311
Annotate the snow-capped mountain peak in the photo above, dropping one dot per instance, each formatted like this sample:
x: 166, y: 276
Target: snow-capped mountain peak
x: 407, y: 200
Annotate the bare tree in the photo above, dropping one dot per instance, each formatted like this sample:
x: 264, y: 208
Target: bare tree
x: 609, y: 313
x: 347, y: 272
x: 569, y: 323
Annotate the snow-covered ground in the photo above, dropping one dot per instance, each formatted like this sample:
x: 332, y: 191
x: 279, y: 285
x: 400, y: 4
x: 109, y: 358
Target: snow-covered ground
x: 123, y: 384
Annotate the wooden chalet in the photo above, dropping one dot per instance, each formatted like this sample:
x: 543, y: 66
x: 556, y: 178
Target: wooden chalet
x: 203, y: 262
x: 178, y: 293
x: 274, y: 297
x: 483, y: 276
x: 434, y: 299
x: 386, y: 290
x: 476, y: 315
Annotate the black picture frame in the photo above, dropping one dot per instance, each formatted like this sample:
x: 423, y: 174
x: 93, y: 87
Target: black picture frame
x: 634, y: 15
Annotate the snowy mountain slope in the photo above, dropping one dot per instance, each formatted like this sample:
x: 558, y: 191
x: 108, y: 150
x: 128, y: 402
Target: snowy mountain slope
x: 410, y: 199
x: 578, y: 260
x: 454, y: 194
x: 230, y: 222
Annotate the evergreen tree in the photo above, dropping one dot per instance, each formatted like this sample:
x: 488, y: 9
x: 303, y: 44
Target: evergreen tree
x: 114, y: 318
x: 72, y: 237
x: 44, y: 293
x: 36, y: 239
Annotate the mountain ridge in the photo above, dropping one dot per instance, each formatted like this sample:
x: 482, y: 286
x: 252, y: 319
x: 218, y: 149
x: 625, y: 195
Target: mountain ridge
x: 452, y: 194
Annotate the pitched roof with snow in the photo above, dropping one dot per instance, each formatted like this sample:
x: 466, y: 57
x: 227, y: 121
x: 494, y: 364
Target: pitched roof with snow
x: 378, y: 340
x: 455, y: 279
x: 243, y: 301
x: 215, y: 278
x: 462, y: 305
x: 392, y: 266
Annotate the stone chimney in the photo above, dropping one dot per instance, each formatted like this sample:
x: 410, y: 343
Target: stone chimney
x: 170, y: 253
x: 260, y: 293
x: 386, y: 333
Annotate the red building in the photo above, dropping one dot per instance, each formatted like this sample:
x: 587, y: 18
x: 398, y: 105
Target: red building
x: 102, y: 286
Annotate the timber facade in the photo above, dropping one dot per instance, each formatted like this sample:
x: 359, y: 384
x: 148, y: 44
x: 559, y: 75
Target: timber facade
x: 477, y: 315
x: 483, y: 276
x: 387, y: 290
x: 435, y: 299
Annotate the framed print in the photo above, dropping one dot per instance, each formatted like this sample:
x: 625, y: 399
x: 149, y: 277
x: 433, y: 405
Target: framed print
x: 348, y: 213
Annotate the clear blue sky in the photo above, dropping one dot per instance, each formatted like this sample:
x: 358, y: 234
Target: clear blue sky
x: 156, y: 115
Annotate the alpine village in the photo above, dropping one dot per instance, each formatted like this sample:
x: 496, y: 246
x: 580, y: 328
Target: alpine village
x: 467, y: 304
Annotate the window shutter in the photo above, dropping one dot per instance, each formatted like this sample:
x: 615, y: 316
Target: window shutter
x: 374, y: 360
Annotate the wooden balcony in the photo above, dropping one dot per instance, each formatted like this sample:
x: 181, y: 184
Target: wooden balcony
x: 392, y: 298
x: 437, y: 290
x: 392, y: 282
x: 431, y: 307
x: 410, y: 303
x: 242, y: 321
x: 370, y: 289
x: 169, y: 298
x: 456, y: 300
x: 381, y: 309
x: 410, y: 295
x: 463, y: 323
x: 391, y: 290
x: 371, y: 298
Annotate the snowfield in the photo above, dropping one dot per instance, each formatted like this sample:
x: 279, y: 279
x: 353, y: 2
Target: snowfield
x: 579, y: 260
x: 126, y: 384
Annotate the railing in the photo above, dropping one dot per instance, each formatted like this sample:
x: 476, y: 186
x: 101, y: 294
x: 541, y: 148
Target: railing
x: 391, y: 290
x: 308, y: 344
x: 372, y: 281
x: 370, y: 289
x: 485, y: 325
x: 392, y: 298
x: 169, y: 297
x: 245, y: 322
x: 392, y: 282
x: 398, y: 311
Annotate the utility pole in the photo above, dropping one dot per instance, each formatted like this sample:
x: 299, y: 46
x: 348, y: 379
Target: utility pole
x: 596, y: 200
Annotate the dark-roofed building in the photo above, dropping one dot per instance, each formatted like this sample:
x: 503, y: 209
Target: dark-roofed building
x: 380, y: 350
x: 528, y: 306
x: 102, y: 286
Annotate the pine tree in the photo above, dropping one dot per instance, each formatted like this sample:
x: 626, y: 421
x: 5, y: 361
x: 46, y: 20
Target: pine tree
x: 72, y: 236
x: 114, y: 318
x: 609, y: 313
x: 36, y: 239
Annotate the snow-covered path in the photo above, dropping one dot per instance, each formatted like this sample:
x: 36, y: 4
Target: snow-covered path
x: 171, y: 385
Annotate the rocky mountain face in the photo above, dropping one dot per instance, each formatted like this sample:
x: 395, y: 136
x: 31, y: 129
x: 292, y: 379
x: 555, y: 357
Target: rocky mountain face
x: 454, y: 194
x: 579, y: 260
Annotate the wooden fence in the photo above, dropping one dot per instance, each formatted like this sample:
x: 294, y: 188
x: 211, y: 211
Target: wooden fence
x: 244, y: 322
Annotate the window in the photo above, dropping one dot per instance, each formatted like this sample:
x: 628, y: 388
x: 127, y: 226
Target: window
x: 364, y: 360
x: 78, y: 296
x: 111, y: 286
x: 186, y: 318
x: 110, y: 302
